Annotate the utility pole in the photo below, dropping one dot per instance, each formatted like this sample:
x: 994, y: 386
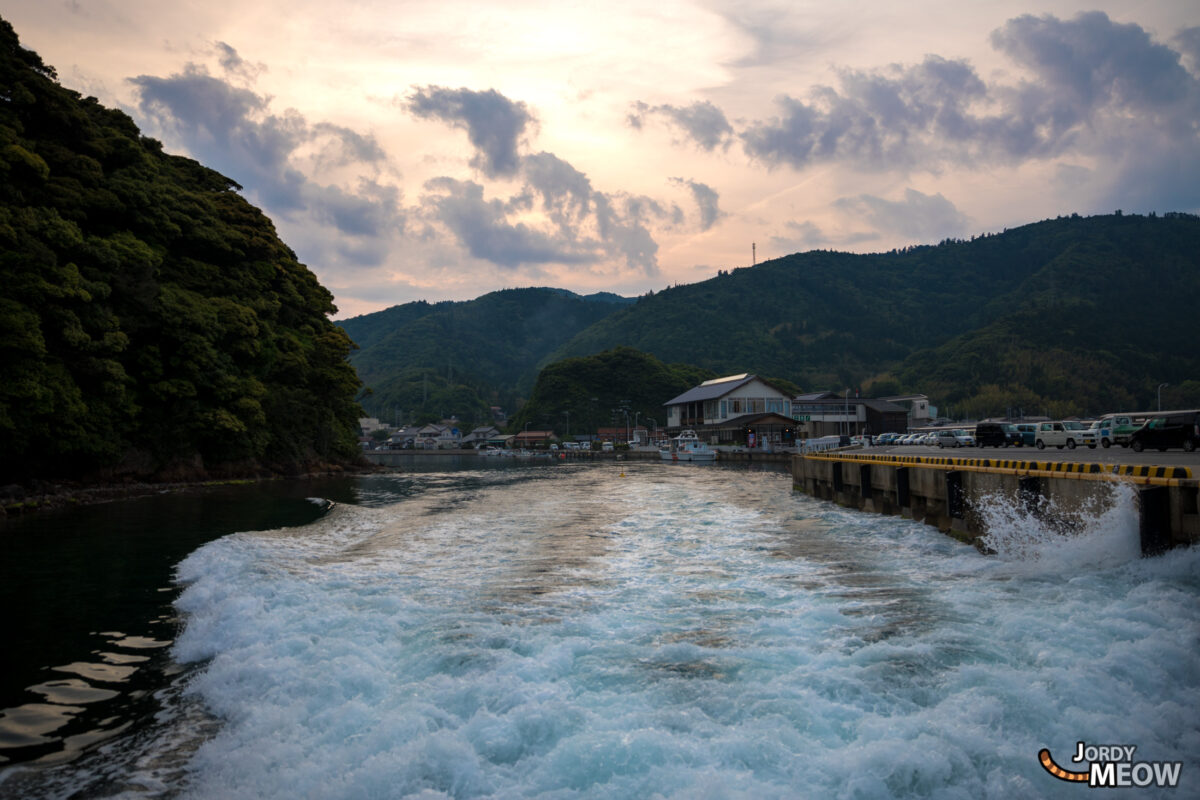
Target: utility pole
x: 753, y: 254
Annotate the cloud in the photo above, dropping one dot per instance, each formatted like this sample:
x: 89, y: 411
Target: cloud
x: 556, y: 217
x: 1090, y: 63
x: 494, y: 124
x: 807, y: 235
x: 566, y: 193
x: 919, y: 216
x: 233, y: 131
x: 484, y: 228
x: 884, y: 119
x: 236, y: 66
x: 702, y: 122
x: 1188, y: 42
x: 706, y: 199
x: 1091, y: 86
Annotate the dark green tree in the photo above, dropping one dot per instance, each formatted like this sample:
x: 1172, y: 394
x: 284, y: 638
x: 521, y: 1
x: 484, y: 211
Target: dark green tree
x: 151, y: 319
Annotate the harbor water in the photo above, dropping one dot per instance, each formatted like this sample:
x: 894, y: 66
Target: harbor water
x: 616, y: 630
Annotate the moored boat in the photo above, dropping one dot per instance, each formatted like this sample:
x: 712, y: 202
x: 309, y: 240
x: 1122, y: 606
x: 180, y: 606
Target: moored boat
x: 688, y: 447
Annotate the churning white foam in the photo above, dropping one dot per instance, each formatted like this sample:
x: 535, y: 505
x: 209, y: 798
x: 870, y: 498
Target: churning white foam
x: 1098, y: 531
x: 674, y: 634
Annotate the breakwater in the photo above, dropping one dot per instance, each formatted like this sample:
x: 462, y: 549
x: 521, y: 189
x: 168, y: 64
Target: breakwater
x: 954, y: 494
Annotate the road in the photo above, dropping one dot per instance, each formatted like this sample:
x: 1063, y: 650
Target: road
x: 1100, y: 455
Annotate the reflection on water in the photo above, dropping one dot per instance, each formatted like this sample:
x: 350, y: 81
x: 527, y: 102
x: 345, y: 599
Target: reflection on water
x: 77, y: 573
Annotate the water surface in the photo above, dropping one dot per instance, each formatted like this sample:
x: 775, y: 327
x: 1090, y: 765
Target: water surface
x: 649, y: 630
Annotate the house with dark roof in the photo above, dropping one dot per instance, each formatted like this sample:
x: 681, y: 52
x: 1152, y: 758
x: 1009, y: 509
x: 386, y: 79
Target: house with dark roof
x: 740, y: 410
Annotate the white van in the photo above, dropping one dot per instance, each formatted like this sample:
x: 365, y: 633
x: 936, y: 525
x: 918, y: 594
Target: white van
x: 1063, y: 434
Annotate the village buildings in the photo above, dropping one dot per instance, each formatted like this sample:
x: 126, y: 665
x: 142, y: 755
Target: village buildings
x: 741, y: 410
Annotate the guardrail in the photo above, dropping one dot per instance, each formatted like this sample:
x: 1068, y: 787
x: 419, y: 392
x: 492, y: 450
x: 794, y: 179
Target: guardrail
x: 1150, y: 475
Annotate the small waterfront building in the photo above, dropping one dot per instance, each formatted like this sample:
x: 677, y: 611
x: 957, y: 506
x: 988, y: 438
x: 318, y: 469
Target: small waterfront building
x: 920, y: 413
x: 526, y: 439
x: 405, y: 438
x: 438, y: 437
x: 480, y: 436
x: 736, y: 409
x: 633, y: 434
x: 829, y: 414
x: 369, y: 425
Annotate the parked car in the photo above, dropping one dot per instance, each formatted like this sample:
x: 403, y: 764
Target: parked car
x: 1089, y: 436
x: 997, y: 434
x: 964, y: 439
x: 1104, y: 432
x: 1061, y: 434
x: 945, y: 439
x: 1122, y: 426
x: 1028, y: 432
x: 1175, y: 430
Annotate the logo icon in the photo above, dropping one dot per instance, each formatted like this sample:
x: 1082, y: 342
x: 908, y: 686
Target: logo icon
x: 1113, y: 766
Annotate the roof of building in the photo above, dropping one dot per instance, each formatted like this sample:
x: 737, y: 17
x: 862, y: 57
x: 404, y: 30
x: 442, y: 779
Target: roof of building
x: 883, y: 406
x: 711, y: 390
x: 534, y: 435
x: 748, y: 420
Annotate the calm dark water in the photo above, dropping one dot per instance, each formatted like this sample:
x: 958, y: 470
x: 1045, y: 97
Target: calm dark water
x: 87, y: 594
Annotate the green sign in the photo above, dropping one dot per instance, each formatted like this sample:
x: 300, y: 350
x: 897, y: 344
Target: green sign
x: 801, y: 417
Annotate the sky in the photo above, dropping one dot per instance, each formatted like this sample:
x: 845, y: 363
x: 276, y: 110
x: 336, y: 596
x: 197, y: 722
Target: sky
x: 439, y: 150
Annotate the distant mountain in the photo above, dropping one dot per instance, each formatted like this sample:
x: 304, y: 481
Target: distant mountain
x: 435, y: 360
x: 1065, y: 316
x: 1068, y: 315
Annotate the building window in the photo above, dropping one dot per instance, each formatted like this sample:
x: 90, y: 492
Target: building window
x: 737, y: 406
x: 724, y: 409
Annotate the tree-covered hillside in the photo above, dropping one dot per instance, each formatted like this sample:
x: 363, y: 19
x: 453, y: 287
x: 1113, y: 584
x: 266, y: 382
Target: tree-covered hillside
x: 583, y: 394
x: 424, y: 361
x: 151, y: 321
x: 1073, y: 314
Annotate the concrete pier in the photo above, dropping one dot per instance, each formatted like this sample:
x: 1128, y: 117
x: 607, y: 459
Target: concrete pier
x: 946, y: 491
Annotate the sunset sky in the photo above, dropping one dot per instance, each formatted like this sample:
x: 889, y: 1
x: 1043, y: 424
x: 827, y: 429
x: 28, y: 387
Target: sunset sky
x: 442, y: 150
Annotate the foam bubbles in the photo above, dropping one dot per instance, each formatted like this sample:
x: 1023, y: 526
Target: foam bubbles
x: 676, y: 635
x: 1101, y: 531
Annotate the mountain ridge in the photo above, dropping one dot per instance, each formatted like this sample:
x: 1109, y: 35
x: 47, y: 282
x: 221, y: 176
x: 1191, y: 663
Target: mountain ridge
x: 985, y: 324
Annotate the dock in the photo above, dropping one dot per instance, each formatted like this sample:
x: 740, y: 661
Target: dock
x: 947, y: 491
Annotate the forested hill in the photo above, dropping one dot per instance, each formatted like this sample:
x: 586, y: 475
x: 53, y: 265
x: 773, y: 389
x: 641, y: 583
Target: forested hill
x: 1067, y: 315
x: 429, y: 361
x: 151, y: 321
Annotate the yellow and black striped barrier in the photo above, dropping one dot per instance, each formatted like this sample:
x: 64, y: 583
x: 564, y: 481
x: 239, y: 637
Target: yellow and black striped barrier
x: 1084, y: 470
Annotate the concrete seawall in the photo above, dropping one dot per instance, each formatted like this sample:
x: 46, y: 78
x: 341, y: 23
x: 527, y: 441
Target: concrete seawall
x: 949, y: 492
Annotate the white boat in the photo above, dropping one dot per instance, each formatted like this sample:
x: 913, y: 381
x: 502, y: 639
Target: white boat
x: 688, y: 447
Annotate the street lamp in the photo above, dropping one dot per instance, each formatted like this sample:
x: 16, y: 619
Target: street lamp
x: 1160, y: 388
